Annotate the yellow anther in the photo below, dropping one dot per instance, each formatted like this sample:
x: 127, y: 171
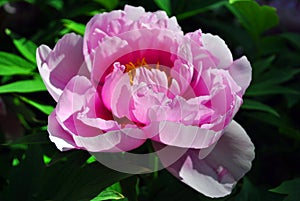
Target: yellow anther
x: 130, y: 68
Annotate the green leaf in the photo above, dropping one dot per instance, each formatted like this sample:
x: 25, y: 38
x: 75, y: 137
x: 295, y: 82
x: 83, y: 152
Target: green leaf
x: 2, y: 2
x: 202, y: 6
x: 74, y: 26
x: 290, y: 188
x: 11, y: 64
x: 165, y: 5
x: 108, y: 5
x: 86, y: 183
x: 26, y: 47
x: 278, y: 76
x: 255, y: 105
x: 250, y: 192
x: 271, y: 45
x: 40, y: 138
x: 130, y: 188
x: 57, y: 4
x: 255, y: 18
x: 267, y: 89
x: 47, y: 109
x: 261, y: 65
x: 284, y: 126
x: 293, y: 38
x: 30, y: 170
x: 108, y: 195
x: 24, y: 86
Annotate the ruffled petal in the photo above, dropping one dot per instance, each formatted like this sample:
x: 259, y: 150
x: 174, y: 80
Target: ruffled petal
x: 216, y: 174
x: 59, y: 65
x: 117, y: 22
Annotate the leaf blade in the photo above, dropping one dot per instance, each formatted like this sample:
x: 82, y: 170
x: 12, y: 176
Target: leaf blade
x: 24, y: 86
x: 11, y: 64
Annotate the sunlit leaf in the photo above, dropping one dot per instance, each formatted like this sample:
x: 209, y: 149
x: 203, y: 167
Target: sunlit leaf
x: 57, y: 4
x: 2, y: 2
x: 91, y: 159
x: 164, y: 5
x: 11, y: 64
x: 255, y: 105
x: 289, y: 188
x: 46, y: 159
x: 108, y: 195
x: 26, y: 47
x: 24, y: 86
x: 15, y: 162
x: 47, y: 109
x: 74, y: 26
x: 87, y: 182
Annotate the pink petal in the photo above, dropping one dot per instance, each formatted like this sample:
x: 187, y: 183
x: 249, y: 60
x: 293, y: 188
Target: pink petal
x: 134, y: 13
x: 117, y: 22
x: 180, y: 135
x: 59, y: 65
x: 116, y: 92
x: 113, y: 141
x: 217, y: 174
x: 133, y: 45
x: 74, y: 97
x: 241, y: 72
x: 61, y: 138
x: 187, y: 112
x: 105, y: 56
x: 218, y: 48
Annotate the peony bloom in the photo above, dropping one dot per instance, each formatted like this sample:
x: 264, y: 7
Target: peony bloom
x: 135, y: 76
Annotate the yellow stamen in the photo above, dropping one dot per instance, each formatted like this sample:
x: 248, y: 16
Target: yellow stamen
x: 130, y: 68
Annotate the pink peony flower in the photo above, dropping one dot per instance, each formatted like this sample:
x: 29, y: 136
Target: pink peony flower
x: 135, y: 76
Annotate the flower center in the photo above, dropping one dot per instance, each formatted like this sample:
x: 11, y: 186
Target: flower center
x: 130, y: 68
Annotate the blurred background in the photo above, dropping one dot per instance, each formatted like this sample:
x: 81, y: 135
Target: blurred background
x: 31, y: 168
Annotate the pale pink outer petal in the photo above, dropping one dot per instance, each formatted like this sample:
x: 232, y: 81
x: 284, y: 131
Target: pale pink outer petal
x: 61, y: 138
x: 59, y: 65
x: 113, y: 141
x: 241, y: 72
x: 216, y: 174
x: 180, y: 135
x: 218, y: 48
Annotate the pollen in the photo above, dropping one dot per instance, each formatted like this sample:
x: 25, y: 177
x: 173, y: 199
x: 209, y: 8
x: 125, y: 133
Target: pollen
x: 139, y: 63
x: 130, y: 68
